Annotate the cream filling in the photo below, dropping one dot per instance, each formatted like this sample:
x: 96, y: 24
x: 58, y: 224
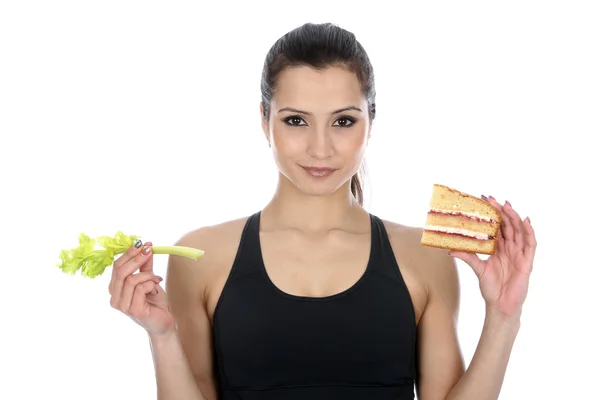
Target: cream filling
x: 465, y: 213
x: 465, y: 232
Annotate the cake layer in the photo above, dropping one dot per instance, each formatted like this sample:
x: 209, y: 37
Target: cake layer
x: 458, y: 231
x: 458, y: 242
x: 446, y: 199
x: 466, y: 214
x: 463, y: 223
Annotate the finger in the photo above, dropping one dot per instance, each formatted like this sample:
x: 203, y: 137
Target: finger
x: 139, y: 306
x: 517, y: 224
x: 500, y: 241
x: 530, y: 240
x: 508, y: 230
x: 127, y: 269
x: 131, y: 282
x: 471, y: 259
x: 159, y: 289
x: 505, y: 225
x: 147, y: 266
x: 131, y: 252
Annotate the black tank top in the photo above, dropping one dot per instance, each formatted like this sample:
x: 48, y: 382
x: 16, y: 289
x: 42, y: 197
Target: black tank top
x: 357, y: 344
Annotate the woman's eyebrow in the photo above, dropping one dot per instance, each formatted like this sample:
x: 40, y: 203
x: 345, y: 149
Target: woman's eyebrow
x: 291, y: 109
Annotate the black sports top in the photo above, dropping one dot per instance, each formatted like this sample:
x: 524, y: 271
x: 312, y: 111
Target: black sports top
x: 357, y: 344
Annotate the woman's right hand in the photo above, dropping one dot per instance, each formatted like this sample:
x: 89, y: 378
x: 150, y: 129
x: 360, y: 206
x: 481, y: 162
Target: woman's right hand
x: 139, y: 295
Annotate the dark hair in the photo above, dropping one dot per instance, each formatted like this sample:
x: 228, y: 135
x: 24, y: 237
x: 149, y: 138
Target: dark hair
x: 320, y: 46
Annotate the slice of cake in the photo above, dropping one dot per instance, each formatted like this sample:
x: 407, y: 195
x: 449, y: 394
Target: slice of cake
x: 459, y: 221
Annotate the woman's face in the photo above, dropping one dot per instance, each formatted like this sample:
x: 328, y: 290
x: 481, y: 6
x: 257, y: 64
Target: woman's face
x: 318, y: 127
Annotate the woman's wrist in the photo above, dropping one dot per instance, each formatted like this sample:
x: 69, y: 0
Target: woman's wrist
x: 502, y: 322
x: 160, y: 339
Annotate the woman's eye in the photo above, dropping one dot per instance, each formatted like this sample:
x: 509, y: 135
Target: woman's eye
x: 344, y: 122
x: 296, y: 121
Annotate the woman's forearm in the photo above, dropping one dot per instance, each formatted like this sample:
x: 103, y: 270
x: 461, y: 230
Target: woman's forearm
x: 174, y: 378
x: 484, y: 377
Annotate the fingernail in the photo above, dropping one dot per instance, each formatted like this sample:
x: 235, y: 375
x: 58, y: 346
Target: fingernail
x: 147, y: 250
x: 484, y: 197
x: 528, y: 220
x: 508, y: 203
x: 492, y: 197
x: 138, y: 244
x: 160, y: 279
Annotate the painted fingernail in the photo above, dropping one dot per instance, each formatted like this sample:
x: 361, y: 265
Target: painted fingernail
x: 484, y: 197
x: 492, y: 197
x: 528, y: 220
x: 160, y: 279
x: 508, y: 203
x: 138, y: 244
x: 147, y: 250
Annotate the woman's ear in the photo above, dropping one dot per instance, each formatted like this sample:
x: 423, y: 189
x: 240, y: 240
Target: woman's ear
x: 264, y: 124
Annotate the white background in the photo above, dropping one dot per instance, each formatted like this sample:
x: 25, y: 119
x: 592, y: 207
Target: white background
x: 143, y: 117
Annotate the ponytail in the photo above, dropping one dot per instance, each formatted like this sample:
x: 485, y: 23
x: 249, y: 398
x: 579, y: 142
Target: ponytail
x: 357, y: 189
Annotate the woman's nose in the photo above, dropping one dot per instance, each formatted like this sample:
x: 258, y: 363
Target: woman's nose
x: 320, y: 144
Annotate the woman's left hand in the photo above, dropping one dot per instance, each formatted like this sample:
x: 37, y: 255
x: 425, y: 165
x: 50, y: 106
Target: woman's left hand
x: 504, y: 276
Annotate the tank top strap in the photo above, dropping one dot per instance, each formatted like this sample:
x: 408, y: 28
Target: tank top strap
x: 248, y: 259
x: 385, y: 261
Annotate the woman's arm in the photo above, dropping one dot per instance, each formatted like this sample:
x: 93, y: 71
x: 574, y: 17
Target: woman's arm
x: 485, y: 375
x: 503, y: 281
x: 174, y: 378
x: 183, y: 360
x: 441, y: 368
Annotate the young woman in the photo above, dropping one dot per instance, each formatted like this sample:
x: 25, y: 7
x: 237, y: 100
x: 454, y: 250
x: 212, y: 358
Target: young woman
x: 313, y: 297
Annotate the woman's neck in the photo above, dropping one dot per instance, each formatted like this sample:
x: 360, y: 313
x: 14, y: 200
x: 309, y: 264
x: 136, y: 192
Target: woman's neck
x: 290, y: 208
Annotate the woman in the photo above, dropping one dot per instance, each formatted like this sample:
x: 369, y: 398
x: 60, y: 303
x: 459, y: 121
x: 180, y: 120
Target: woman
x: 313, y: 297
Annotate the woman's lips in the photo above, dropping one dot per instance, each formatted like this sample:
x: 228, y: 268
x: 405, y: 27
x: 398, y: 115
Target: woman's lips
x: 319, y: 172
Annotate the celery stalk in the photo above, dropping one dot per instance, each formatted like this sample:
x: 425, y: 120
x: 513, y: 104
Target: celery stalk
x: 183, y: 251
x: 93, y: 256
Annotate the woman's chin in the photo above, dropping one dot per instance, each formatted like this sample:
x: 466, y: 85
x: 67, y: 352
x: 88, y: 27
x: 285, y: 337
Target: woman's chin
x: 320, y: 187
x: 310, y: 185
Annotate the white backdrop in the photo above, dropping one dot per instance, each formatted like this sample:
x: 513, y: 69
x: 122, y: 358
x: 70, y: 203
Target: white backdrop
x: 143, y: 117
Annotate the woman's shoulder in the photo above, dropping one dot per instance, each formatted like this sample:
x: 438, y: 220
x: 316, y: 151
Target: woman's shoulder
x: 406, y: 239
x: 214, y: 236
x: 431, y: 266
x: 219, y: 242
